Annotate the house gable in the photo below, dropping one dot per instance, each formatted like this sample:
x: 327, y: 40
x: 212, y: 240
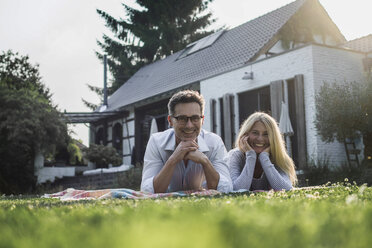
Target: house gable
x: 303, y: 28
x: 362, y: 44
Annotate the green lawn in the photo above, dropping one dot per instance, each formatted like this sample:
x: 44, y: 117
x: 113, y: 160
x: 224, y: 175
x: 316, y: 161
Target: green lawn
x: 335, y: 216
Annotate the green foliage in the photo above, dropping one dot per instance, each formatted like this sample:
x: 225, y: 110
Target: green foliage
x: 338, y: 111
x: 28, y: 123
x: 27, y: 118
x: 102, y: 155
x: 337, y: 215
x: 151, y: 32
x: 16, y: 72
x: 75, y: 155
x: 321, y: 171
x: 99, y: 92
x: 344, y: 111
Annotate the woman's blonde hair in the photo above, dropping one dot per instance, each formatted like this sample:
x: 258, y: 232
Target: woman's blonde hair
x: 278, y: 151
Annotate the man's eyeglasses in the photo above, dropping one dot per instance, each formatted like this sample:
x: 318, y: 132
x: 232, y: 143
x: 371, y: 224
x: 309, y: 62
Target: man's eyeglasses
x: 183, y: 119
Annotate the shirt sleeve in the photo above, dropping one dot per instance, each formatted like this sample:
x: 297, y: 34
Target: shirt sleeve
x: 218, y: 162
x: 276, y: 177
x: 241, y: 178
x: 151, y: 166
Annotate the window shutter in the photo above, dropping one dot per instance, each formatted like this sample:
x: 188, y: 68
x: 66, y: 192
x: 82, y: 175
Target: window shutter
x: 276, y: 96
x: 300, y: 114
x: 213, y: 111
x: 229, y: 117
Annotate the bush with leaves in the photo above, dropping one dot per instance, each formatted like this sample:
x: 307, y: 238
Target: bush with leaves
x: 102, y: 155
x: 29, y: 123
x: 75, y: 155
x: 344, y: 111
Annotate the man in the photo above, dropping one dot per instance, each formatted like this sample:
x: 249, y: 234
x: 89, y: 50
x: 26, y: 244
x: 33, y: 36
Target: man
x: 185, y: 157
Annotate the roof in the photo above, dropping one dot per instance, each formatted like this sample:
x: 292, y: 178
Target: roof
x: 89, y: 117
x: 363, y: 44
x: 225, y: 54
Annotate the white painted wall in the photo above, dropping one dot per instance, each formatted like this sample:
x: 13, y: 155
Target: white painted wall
x: 316, y: 63
x: 39, y: 161
x: 129, y: 130
x: 334, y: 65
x: 51, y: 173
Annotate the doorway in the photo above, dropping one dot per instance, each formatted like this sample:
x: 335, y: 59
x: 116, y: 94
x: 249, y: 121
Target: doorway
x: 253, y: 101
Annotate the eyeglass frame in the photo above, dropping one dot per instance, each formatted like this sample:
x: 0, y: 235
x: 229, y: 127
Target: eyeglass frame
x: 187, y: 118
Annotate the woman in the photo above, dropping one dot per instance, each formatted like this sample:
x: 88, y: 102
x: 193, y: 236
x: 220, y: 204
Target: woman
x: 260, y: 160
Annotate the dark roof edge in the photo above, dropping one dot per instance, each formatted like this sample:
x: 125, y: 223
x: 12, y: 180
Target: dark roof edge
x: 193, y: 85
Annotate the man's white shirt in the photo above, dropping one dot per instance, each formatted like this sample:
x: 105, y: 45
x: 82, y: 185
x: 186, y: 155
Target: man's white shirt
x: 162, y: 145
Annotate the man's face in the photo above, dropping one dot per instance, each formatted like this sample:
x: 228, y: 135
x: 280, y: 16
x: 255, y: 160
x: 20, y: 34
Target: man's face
x: 189, y: 129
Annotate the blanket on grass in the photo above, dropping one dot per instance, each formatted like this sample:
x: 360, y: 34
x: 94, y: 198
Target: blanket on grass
x: 75, y: 194
x: 123, y: 193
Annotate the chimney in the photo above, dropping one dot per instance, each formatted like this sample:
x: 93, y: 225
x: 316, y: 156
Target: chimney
x: 105, y: 79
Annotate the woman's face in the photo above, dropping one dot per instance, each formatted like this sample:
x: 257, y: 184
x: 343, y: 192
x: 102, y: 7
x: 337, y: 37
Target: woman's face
x: 258, y: 137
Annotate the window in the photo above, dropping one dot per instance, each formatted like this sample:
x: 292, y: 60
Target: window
x: 200, y: 44
x: 99, y: 140
x: 117, y: 138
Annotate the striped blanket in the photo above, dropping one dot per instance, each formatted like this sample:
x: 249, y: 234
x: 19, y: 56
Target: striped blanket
x: 75, y: 194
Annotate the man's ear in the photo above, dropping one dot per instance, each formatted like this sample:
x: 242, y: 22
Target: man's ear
x: 170, y: 121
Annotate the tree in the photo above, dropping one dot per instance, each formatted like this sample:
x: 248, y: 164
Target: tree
x: 151, y: 32
x: 344, y: 111
x: 29, y: 123
x: 16, y: 72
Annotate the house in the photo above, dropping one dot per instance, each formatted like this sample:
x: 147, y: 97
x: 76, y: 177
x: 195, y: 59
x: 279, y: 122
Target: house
x: 282, y: 56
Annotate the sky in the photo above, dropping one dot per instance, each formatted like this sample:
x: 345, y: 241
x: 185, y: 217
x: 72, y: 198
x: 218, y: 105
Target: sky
x: 61, y: 36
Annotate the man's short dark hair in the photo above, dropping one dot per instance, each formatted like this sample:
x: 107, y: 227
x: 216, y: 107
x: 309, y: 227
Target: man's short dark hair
x: 185, y: 96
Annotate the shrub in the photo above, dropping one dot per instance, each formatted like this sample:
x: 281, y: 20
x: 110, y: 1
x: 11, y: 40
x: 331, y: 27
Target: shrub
x: 75, y: 156
x: 102, y: 155
x: 344, y: 112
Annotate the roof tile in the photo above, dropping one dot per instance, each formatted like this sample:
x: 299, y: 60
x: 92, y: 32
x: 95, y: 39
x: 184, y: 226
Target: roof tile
x: 231, y: 50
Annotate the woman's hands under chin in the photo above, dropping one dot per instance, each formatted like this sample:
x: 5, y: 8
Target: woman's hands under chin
x: 244, y: 144
x: 268, y: 150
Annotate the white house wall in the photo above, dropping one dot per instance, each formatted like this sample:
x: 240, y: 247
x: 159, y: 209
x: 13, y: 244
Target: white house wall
x: 326, y: 63
x: 128, y: 130
x: 109, y: 133
x: 334, y: 65
x: 51, y: 173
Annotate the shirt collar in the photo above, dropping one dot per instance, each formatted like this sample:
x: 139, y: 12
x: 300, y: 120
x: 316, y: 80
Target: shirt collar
x: 169, y: 143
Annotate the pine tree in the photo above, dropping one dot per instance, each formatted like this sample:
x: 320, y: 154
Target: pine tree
x: 151, y: 32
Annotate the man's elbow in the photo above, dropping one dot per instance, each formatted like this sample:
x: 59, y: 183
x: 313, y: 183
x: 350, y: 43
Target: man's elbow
x: 224, y: 185
x: 147, y: 187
